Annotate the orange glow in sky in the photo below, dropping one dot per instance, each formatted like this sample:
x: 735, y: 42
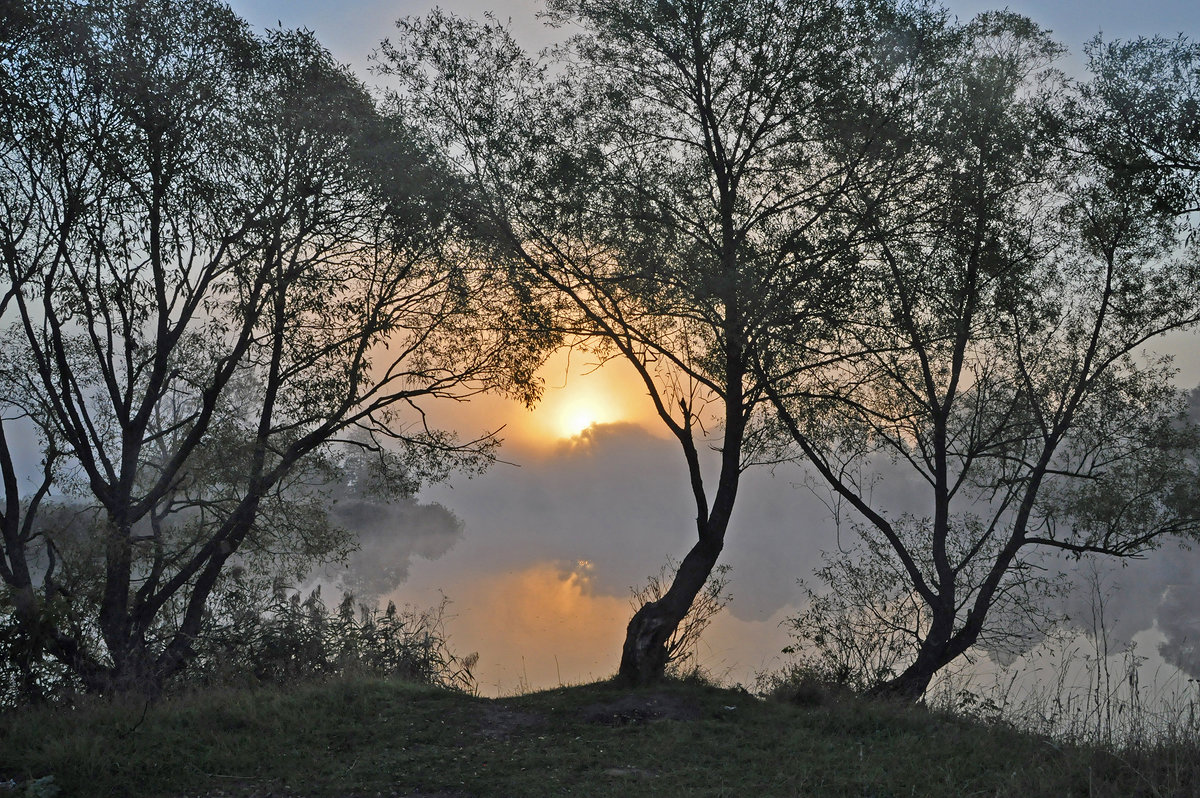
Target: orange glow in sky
x: 578, y: 414
x: 578, y: 394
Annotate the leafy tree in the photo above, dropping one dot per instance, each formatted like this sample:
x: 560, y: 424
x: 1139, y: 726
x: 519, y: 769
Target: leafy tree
x: 668, y: 182
x: 218, y: 260
x: 1140, y: 112
x: 1017, y: 283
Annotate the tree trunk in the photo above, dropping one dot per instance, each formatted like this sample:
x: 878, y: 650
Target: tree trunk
x: 908, y: 686
x: 133, y: 672
x: 939, y: 649
x: 644, y: 655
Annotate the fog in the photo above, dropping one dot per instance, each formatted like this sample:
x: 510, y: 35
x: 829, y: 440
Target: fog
x: 552, y: 540
x: 552, y: 546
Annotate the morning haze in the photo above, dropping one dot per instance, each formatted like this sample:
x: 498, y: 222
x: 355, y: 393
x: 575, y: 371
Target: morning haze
x: 602, y: 397
x: 559, y: 500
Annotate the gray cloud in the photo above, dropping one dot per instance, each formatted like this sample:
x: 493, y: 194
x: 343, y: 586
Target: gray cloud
x: 1179, y: 620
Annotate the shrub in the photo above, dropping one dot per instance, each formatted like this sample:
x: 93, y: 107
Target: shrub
x: 286, y: 636
x: 259, y: 631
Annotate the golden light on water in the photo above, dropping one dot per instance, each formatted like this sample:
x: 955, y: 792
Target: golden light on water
x: 539, y: 627
x: 547, y: 624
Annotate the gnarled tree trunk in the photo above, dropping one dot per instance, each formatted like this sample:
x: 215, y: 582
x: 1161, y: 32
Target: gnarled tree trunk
x: 941, y: 646
x: 644, y: 655
x: 910, y: 685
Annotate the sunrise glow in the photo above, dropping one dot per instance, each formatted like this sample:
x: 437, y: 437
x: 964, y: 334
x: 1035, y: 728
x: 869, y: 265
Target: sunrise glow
x: 578, y: 414
x: 580, y: 394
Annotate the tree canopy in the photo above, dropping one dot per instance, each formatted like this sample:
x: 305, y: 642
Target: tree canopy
x: 1018, y: 278
x: 670, y: 181
x: 219, y: 260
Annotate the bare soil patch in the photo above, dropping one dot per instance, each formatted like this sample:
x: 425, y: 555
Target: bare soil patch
x: 642, y: 707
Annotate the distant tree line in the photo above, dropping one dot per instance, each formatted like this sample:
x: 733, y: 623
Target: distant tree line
x: 830, y: 232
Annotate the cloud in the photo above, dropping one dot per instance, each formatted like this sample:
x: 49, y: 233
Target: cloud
x: 1158, y: 591
x: 1177, y: 619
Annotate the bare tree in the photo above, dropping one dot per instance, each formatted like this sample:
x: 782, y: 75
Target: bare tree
x: 1017, y: 283
x: 218, y: 259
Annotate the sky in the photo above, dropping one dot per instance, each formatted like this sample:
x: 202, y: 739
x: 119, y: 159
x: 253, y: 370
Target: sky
x: 352, y: 28
x: 537, y: 556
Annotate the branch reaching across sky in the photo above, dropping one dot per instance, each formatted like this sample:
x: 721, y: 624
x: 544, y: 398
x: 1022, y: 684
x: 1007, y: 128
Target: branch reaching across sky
x: 219, y: 258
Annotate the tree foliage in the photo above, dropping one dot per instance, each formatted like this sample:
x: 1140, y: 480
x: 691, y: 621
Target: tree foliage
x: 219, y: 259
x: 279, y: 635
x: 839, y: 231
x: 1002, y: 369
x: 1140, y: 110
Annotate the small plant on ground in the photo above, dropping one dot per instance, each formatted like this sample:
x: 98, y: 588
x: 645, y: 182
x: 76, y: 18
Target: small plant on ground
x: 284, y: 637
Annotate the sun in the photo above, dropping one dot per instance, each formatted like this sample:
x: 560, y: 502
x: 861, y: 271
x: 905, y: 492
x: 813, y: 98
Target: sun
x: 579, y: 413
x: 580, y: 395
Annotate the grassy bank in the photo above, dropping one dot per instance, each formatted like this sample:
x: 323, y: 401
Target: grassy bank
x: 368, y: 738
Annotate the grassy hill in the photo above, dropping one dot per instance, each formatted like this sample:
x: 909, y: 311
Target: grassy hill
x: 376, y: 738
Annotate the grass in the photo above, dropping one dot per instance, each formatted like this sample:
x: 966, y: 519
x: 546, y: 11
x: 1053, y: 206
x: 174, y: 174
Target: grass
x: 372, y: 737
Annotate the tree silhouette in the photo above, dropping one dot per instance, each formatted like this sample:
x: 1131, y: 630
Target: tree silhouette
x: 218, y: 260
x: 670, y: 184
x: 1018, y: 279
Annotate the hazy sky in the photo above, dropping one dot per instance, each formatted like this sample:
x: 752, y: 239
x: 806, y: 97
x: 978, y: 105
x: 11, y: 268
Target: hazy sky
x: 539, y: 554
x: 351, y: 28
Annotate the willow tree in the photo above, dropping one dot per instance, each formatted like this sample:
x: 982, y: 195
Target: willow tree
x: 667, y: 182
x: 1001, y: 370
x: 218, y: 259
x: 1139, y: 113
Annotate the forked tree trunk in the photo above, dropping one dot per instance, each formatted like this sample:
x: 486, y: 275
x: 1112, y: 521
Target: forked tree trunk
x: 644, y: 655
x: 135, y: 675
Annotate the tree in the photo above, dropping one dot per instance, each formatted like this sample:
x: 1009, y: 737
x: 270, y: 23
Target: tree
x: 219, y: 260
x: 682, y: 659
x: 1139, y: 115
x: 1017, y: 282
x: 668, y: 184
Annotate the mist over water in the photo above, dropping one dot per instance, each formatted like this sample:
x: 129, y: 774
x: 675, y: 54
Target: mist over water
x: 538, y: 557
x: 540, y: 580
x: 391, y: 535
